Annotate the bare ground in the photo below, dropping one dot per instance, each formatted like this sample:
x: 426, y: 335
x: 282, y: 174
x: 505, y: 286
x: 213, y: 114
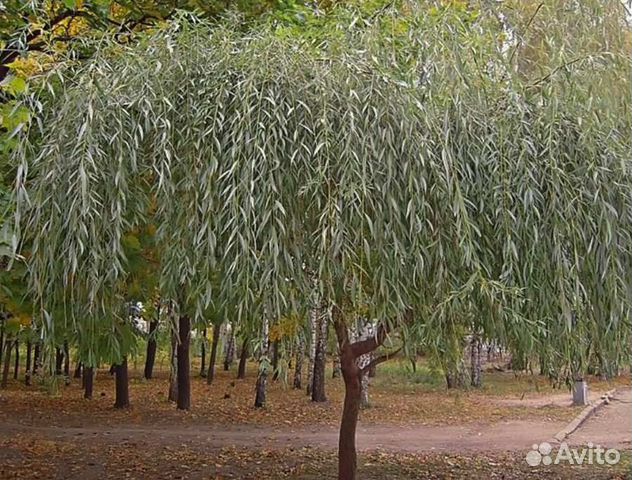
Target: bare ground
x: 175, y: 451
x: 407, y: 435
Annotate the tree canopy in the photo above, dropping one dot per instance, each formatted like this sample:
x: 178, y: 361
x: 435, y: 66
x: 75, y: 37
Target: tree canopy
x: 429, y: 167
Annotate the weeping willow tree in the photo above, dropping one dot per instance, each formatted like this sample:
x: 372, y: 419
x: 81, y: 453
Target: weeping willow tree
x: 403, y: 163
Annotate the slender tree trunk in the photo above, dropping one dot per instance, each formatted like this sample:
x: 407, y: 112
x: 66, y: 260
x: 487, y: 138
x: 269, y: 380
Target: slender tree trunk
x: 262, y: 377
x: 347, y: 458
x: 8, y: 346
x: 275, y: 360
x: 2, y: 320
x: 27, y: 371
x: 66, y: 363
x: 320, y: 359
x: 260, y: 388
x: 173, y: 366
x: 211, y: 362
x: 336, y: 371
x: 203, y: 354
x: 150, y: 357
x: 298, y: 368
x: 78, y: 369
x: 88, y: 382
x: 16, y: 368
x: 184, y: 364
x: 229, y: 358
x: 243, y: 358
x: 122, y: 385
x: 59, y: 361
x: 476, y: 348
x: 313, y: 317
x: 36, y: 357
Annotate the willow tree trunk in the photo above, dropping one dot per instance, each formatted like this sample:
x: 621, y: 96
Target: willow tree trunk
x: 476, y: 349
x: 27, y: 370
x: 66, y: 363
x: 320, y: 358
x: 298, y: 368
x: 313, y: 337
x: 211, y: 361
x: 203, y: 354
x: 59, y: 361
x: 8, y: 344
x: 150, y: 358
x: 36, y: 357
x: 262, y: 376
x: 275, y: 359
x: 184, y: 364
x: 122, y: 385
x: 347, y: 457
x: 229, y: 357
x: 16, y: 367
x: 88, y: 382
x: 78, y: 369
x: 243, y: 358
x: 173, y: 366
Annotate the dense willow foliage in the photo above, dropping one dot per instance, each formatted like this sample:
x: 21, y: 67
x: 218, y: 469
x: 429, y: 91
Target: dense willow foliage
x: 403, y: 161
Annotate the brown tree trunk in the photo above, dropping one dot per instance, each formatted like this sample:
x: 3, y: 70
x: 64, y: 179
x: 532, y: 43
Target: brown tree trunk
x: 230, y: 350
x: 320, y: 359
x: 8, y: 344
x: 122, y: 385
x: 347, y: 457
x: 184, y: 364
x: 275, y: 360
x: 78, y: 369
x: 243, y: 358
x: 59, y: 360
x: 150, y: 357
x: 260, y: 389
x: 36, y: 357
x: 211, y: 361
x: 16, y: 367
x: 66, y: 363
x: 298, y: 368
x: 27, y: 371
x: 203, y: 354
x: 88, y: 382
x: 173, y: 366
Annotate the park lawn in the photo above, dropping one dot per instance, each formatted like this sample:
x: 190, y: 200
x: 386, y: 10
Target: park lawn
x: 398, y: 397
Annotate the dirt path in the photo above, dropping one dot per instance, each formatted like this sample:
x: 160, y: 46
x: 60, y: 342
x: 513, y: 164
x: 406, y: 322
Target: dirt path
x: 611, y: 426
x: 513, y: 435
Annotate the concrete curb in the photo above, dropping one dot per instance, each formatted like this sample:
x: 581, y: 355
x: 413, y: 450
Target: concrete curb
x: 583, y: 415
